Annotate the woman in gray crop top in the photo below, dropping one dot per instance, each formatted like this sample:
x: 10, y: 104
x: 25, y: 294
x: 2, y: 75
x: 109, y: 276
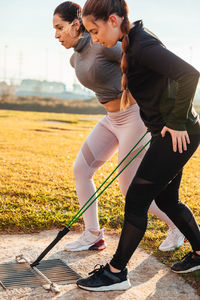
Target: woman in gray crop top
x: 98, y: 68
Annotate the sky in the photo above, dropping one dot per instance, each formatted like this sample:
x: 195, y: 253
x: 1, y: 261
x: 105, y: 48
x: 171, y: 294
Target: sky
x: 28, y: 48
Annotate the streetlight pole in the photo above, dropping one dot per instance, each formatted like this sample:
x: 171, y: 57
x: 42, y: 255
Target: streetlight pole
x: 5, y: 63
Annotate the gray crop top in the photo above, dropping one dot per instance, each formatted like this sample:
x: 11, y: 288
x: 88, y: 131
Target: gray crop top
x: 98, y: 68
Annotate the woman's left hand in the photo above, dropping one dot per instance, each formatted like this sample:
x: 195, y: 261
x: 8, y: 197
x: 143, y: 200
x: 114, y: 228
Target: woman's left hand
x: 180, y: 139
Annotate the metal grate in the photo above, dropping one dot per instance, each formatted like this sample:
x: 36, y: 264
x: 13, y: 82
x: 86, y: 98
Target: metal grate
x: 15, y: 275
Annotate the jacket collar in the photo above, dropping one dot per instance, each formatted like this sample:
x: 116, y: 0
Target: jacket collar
x: 137, y: 25
x: 82, y: 42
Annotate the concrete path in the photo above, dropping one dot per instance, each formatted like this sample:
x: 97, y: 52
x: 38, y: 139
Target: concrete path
x: 150, y: 279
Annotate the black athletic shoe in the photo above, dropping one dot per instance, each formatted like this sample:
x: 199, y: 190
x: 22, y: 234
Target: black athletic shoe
x: 189, y: 263
x: 102, y: 279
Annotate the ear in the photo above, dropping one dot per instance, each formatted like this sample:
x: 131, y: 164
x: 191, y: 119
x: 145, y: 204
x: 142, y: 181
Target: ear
x: 113, y: 20
x: 76, y: 24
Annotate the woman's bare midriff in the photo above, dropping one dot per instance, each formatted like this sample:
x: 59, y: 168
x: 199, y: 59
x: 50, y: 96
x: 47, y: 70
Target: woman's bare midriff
x: 114, y: 105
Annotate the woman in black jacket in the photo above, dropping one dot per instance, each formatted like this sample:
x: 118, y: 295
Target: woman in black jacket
x: 163, y: 86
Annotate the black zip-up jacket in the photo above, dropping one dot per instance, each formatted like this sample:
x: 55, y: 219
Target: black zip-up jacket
x: 162, y: 83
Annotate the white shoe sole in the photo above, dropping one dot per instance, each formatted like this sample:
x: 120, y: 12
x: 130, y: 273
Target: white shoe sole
x: 78, y: 249
x: 124, y: 285
x: 189, y: 270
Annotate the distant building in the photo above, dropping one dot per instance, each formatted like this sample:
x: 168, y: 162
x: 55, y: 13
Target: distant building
x: 3, y: 86
x: 79, y: 89
x: 30, y: 85
x: 6, y: 89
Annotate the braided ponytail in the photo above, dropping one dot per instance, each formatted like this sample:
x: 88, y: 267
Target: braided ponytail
x: 125, y: 27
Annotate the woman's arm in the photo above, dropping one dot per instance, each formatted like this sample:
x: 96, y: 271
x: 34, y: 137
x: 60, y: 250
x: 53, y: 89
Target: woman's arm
x: 161, y: 60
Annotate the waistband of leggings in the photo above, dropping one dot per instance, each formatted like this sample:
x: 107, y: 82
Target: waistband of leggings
x: 121, y: 113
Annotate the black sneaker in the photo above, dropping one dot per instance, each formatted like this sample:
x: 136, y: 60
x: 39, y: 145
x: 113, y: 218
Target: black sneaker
x: 189, y: 263
x: 102, y: 279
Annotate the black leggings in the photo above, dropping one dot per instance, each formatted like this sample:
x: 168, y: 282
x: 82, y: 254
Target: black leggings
x: 158, y: 177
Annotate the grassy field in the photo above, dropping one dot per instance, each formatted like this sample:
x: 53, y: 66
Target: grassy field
x: 37, y: 189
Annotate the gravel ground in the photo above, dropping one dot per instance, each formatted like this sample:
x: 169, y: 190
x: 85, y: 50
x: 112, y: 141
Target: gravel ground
x: 150, y: 279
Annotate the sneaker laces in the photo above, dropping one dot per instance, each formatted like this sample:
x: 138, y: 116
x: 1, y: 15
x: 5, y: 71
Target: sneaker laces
x: 173, y: 233
x: 98, y: 269
x: 83, y: 236
x: 170, y: 234
x: 189, y: 255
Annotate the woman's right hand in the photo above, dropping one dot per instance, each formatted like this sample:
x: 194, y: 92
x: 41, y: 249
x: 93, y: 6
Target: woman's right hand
x: 180, y: 139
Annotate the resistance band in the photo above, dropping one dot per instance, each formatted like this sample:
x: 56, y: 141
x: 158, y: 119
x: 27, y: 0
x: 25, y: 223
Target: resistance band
x: 87, y: 204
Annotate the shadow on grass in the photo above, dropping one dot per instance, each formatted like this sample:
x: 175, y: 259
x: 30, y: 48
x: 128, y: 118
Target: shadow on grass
x: 59, y: 121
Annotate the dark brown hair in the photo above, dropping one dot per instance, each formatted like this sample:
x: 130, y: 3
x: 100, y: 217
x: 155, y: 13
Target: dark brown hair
x: 101, y: 10
x: 69, y: 11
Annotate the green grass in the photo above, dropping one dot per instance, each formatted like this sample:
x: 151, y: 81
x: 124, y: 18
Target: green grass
x: 37, y: 189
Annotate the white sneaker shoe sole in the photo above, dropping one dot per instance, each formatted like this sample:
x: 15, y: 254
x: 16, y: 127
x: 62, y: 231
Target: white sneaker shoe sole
x: 188, y: 271
x: 124, y: 285
x: 82, y: 248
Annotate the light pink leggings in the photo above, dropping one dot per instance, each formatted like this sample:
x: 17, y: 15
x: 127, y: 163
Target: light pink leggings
x: 117, y: 131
